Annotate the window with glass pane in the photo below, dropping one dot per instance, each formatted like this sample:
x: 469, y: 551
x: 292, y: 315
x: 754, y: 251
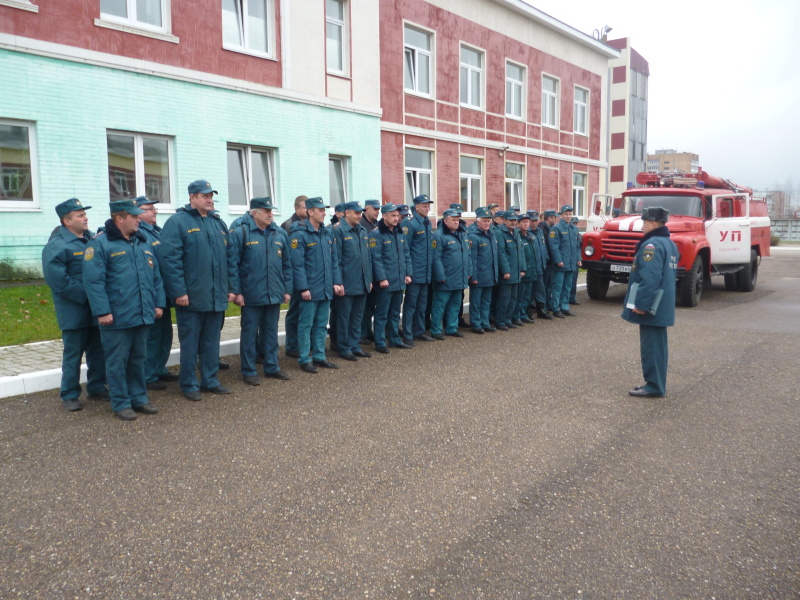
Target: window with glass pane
x: 471, y: 74
x: 514, y: 186
x: 334, y: 28
x: 471, y: 169
x: 579, y: 193
x: 140, y: 12
x: 139, y: 165
x: 419, y: 174
x: 16, y: 165
x: 549, y: 101
x: 581, y: 110
x: 514, y: 89
x: 247, y: 25
x: 250, y: 174
x: 417, y: 76
x: 337, y: 169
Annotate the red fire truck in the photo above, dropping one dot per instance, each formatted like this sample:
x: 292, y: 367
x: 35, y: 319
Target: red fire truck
x: 718, y: 226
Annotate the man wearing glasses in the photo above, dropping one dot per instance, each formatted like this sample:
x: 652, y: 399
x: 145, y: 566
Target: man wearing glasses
x: 159, y: 340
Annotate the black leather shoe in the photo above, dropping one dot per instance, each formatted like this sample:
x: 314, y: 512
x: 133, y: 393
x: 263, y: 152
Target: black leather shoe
x: 478, y: 331
x: 456, y: 334
x: 437, y: 336
x: 362, y: 354
x: 382, y: 349
x: 558, y: 315
x: 194, y: 396
x: 146, y: 409
x: 104, y: 396
x: 463, y: 324
x: 277, y: 375
x: 527, y: 321
x: 169, y: 377
x: 490, y: 329
x: 568, y: 314
x: 223, y: 366
x: 348, y: 356
x: 251, y: 380
x: 518, y: 322
x: 409, y: 342
x: 543, y: 315
x: 309, y: 368
x: 575, y: 302
x: 220, y: 389
x: 511, y: 325
x: 293, y: 353
x: 365, y: 341
x: 424, y: 338
x: 126, y: 414
x: 156, y: 385
x: 502, y: 328
x: 640, y: 392
x: 326, y: 364
x: 72, y: 405
x: 402, y: 346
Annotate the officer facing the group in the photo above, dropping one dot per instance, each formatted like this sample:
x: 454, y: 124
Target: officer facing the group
x: 194, y: 263
x: 418, y: 242
x: 484, y: 272
x: 450, y: 274
x: 159, y: 337
x: 317, y: 279
x: 351, y: 243
x: 391, y: 272
x: 62, y: 264
x: 123, y: 283
x: 565, y: 254
x: 650, y: 299
x: 261, y: 279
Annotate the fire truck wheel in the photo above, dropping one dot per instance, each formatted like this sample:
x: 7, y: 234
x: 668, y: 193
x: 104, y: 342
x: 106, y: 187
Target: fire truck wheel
x: 596, y: 286
x: 748, y: 276
x: 692, y: 284
x: 732, y: 282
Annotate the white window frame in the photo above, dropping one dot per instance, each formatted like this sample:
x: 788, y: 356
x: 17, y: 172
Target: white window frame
x: 416, y: 172
x: 33, y: 203
x: 581, y: 108
x: 546, y: 94
x: 242, y: 6
x: 469, y: 202
x: 344, y: 167
x: 248, y: 175
x: 579, y: 195
x: 342, y: 24
x: 519, y: 84
x: 416, y: 50
x: 130, y: 24
x: 471, y: 69
x: 519, y: 184
x: 21, y: 4
x: 138, y: 162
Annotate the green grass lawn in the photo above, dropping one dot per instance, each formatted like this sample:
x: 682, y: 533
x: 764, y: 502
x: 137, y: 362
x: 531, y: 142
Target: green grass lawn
x: 28, y: 315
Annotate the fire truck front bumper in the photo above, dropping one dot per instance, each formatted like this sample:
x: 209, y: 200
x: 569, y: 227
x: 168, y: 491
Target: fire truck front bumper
x: 610, y: 270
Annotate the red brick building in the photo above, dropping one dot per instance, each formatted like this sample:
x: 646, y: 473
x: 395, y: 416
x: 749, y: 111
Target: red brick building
x: 490, y: 101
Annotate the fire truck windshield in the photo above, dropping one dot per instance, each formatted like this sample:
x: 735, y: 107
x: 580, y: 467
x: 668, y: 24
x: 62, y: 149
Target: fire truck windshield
x: 690, y: 206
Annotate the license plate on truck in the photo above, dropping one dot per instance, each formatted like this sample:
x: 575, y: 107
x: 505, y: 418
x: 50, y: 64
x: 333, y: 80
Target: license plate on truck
x: 621, y: 268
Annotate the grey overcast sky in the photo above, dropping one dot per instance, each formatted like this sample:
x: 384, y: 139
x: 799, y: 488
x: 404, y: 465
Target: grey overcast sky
x: 724, y: 78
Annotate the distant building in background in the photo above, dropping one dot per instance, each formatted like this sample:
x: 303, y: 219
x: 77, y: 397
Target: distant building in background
x: 629, y: 79
x: 671, y: 160
x: 779, y: 203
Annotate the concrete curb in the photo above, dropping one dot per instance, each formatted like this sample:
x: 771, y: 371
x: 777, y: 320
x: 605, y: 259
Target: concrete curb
x: 41, y: 381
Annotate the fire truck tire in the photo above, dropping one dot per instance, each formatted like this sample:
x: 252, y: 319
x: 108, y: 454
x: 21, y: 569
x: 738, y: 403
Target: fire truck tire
x: 596, y: 286
x: 732, y: 282
x: 691, y: 286
x: 748, y: 276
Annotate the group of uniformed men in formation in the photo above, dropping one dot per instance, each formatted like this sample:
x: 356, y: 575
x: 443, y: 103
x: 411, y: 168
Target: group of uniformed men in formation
x: 113, y: 291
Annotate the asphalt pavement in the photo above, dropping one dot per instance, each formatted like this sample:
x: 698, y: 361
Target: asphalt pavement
x: 507, y: 465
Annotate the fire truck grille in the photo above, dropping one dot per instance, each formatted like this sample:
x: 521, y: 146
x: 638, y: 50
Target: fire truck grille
x: 619, y: 247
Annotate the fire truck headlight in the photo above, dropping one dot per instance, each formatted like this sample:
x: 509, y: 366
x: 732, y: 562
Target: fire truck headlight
x: 589, y: 250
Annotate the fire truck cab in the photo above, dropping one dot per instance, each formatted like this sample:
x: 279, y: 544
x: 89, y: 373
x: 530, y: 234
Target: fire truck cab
x: 718, y: 227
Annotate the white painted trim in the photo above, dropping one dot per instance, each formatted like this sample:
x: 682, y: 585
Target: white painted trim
x: 463, y: 139
x: 111, y: 61
x: 21, y: 4
x: 128, y: 28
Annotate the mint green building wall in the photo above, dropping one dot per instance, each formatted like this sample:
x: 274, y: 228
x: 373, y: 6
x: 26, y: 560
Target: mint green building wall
x: 73, y: 105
